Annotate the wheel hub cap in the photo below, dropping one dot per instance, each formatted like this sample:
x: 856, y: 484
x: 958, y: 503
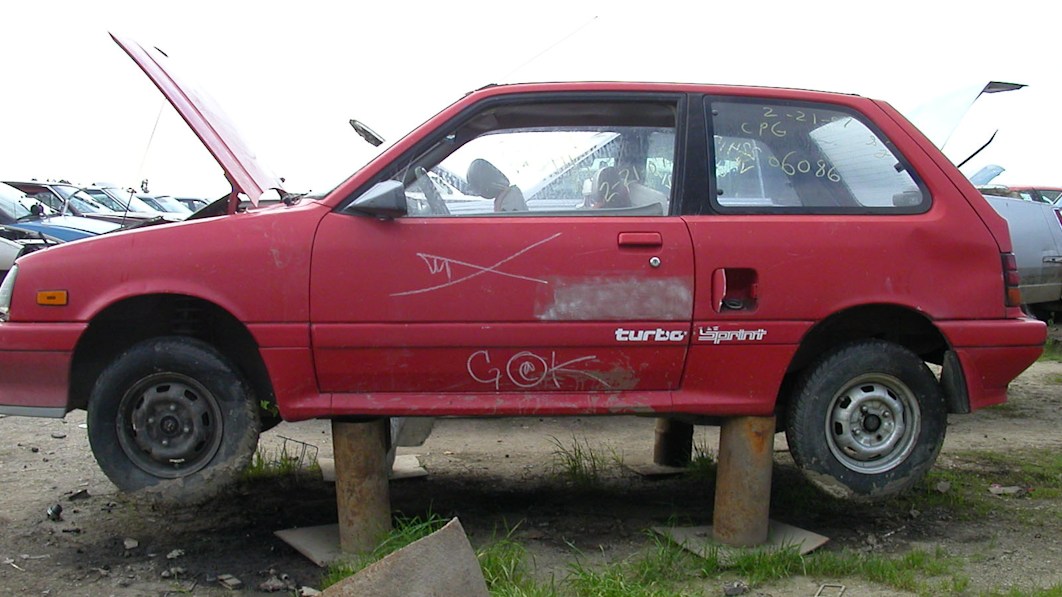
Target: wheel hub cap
x: 170, y: 425
x: 872, y: 424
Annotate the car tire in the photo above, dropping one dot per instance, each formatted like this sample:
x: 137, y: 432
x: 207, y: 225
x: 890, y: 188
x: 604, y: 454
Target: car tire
x: 173, y: 419
x: 866, y: 421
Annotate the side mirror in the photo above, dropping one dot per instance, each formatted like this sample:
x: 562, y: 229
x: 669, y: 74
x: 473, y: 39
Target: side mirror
x: 384, y: 200
x: 371, y: 137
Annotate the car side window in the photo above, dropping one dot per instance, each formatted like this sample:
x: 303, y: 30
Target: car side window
x: 549, y: 159
x: 797, y: 157
x: 1050, y: 196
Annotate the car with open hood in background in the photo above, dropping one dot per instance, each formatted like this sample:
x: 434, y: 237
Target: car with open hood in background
x: 1033, y: 216
x: 738, y: 251
x: 124, y: 201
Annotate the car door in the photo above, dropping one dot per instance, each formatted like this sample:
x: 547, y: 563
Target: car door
x: 519, y: 268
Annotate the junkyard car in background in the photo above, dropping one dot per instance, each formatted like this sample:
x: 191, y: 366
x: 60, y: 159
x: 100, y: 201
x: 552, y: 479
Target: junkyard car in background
x: 9, y: 251
x: 738, y: 251
x: 1036, y: 231
x: 68, y: 199
x: 26, y: 225
x: 193, y: 203
x: 166, y: 204
x: 122, y: 201
x: 1049, y: 195
x: 18, y: 211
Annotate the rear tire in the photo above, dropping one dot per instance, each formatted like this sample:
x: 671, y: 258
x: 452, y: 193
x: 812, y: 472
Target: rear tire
x: 172, y: 418
x: 867, y: 421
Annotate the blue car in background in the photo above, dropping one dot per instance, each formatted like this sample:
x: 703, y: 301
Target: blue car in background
x: 30, y: 223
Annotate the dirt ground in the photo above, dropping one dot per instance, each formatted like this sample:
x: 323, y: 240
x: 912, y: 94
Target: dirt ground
x: 497, y: 476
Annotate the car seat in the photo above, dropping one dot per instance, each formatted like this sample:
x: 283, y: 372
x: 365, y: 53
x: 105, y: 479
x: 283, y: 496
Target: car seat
x: 485, y: 180
x: 610, y: 189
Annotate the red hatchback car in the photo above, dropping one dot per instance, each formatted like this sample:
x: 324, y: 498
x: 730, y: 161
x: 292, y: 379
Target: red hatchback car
x: 666, y: 250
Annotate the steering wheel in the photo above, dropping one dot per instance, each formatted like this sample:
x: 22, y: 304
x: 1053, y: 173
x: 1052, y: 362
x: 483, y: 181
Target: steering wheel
x: 432, y: 194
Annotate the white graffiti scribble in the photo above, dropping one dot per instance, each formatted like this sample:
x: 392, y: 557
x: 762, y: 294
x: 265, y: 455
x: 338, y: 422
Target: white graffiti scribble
x: 528, y: 370
x: 445, y: 265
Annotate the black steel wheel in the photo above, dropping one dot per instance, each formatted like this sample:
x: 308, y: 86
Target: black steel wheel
x: 172, y: 417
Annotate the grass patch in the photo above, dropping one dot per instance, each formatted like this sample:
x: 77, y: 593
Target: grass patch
x: 406, y: 530
x: 960, y: 488
x: 667, y: 570
x: 963, y: 489
x: 662, y: 571
x: 1053, y: 591
x: 914, y: 571
x: 504, y: 568
x: 703, y: 463
x: 1040, y: 471
x: 1052, y: 351
x: 1007, y: 409
x: 578, y: 462
x: 962, y: 492
x: 281, y: 463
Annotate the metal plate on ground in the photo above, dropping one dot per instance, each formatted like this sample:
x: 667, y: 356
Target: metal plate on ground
x: 320, y: 544
x: 653, y: 471
x: 701, y: 541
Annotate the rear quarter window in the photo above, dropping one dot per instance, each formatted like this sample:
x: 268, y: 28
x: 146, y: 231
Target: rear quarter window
x: 771, y: 156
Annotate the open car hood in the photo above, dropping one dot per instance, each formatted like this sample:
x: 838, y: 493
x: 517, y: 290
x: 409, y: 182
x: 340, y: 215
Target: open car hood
x: 246, y: 174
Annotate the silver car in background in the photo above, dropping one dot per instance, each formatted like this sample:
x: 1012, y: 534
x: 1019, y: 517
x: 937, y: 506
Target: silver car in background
x: 1036, y: 233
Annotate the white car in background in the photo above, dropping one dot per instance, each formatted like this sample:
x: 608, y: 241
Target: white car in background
x: 9, y: 251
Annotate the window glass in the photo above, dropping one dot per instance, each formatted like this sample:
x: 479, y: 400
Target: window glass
x: 549, y: 159
x: 1051, y: 196
x: 770, y: 155
x: 105, y: 200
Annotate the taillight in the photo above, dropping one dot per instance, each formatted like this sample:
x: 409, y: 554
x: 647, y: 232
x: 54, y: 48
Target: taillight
x: 1058, y: 214
x: 1011, y: 280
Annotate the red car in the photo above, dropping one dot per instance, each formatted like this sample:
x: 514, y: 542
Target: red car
x: 666, y: 250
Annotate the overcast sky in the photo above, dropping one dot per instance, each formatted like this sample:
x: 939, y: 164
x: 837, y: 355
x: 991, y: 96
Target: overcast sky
x: 291, y: 74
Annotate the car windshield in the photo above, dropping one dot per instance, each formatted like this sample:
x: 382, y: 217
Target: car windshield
x: 81, y: 201
x: 171, y: 205
x: 11, y: 207
x: 84, y: 203
x: 117, y: 199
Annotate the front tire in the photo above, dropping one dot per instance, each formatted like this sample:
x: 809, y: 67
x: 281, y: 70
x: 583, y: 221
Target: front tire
x: 867, y: 421
x: 173, y: 418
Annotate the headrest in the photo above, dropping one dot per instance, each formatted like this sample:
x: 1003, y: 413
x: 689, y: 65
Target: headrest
x: 610, y: 190
x: 485, y: 180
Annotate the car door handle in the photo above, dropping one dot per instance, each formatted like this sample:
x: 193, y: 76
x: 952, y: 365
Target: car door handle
x: 1053, y: 259
x: 640, y: 239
